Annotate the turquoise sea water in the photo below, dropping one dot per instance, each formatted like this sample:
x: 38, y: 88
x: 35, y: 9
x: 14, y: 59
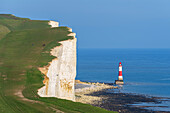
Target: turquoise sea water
x: 145, y: 71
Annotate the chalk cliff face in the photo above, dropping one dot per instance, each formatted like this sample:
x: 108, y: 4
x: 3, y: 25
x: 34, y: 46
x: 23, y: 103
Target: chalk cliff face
x: 53, y: 24
x: 61, y: 72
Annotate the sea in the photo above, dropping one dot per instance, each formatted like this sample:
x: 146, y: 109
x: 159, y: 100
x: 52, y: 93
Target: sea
x: 145, y: 71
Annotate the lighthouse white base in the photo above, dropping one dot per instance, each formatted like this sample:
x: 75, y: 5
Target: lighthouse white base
x: 120, y: 78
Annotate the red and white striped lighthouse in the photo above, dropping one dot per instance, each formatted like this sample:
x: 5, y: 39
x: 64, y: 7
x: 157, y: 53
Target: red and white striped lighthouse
x: 120, y: 77
x: 120, y: 72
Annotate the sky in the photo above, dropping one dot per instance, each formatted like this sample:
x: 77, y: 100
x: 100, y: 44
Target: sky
x: 103, y: 23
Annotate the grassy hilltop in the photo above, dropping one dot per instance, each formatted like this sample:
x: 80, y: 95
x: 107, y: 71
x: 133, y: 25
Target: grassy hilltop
x: 25, y: 46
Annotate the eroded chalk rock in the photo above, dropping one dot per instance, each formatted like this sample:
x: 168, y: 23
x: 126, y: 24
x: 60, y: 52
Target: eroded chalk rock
x: 53, y: 24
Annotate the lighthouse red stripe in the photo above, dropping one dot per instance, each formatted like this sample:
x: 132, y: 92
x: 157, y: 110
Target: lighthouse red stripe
x: 120, y: 73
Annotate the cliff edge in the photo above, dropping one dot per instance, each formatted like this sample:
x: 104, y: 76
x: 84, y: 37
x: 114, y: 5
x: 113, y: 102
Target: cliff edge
x: 60, y: 73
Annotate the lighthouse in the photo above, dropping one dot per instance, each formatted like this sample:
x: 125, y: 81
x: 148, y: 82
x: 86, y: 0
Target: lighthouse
x: 120, y: 76
x: 120, y: 72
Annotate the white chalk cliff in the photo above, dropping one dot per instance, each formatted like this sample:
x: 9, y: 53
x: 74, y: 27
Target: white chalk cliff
x: 60, y: 73
x: 53, y: 24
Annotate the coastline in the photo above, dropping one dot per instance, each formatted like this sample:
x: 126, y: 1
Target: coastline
x: 103, y: 95
x: 84, y: 89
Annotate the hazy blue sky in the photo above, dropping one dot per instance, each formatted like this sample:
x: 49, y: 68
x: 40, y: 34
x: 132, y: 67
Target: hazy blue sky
x: 103, y: 23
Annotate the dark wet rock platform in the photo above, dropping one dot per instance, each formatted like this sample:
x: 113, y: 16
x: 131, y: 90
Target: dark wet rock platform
x: 122, y: 102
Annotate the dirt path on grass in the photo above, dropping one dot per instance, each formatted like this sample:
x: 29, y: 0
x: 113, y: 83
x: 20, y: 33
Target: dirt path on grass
x: 19, y: 94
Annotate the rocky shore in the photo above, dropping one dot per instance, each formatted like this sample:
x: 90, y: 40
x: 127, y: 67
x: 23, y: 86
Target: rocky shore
x: 84, y: 89
x: 101, y: 95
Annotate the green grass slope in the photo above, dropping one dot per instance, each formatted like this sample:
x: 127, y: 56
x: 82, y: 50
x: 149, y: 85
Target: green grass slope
x: 21, y: 53
x: 3, y: 31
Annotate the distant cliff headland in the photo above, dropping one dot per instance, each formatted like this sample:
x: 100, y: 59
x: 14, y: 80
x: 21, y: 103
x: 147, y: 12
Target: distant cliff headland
x: 38, y: 63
